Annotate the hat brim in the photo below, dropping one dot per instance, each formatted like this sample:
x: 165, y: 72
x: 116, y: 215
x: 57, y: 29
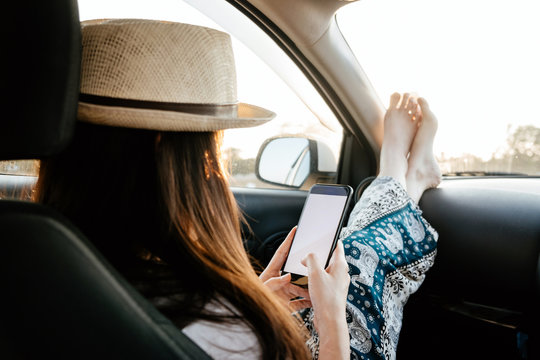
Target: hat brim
x: 162, y: 120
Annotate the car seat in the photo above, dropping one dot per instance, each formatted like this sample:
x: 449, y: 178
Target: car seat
x: 60, y: 297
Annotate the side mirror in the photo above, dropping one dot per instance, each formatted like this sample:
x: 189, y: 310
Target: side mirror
x: 295, y: 162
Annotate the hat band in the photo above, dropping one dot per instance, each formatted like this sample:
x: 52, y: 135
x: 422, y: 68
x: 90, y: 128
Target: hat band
x: 228, y: 110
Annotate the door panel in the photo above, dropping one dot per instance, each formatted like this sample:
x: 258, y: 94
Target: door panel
x: 270, y: 215
x: 489, y: 240
x: 483, y: 293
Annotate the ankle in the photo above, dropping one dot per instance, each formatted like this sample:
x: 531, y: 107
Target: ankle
x: 399, y: 176
x: 393, y: 164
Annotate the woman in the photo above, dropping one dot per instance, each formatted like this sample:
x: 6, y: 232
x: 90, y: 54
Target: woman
x: 143, y: 180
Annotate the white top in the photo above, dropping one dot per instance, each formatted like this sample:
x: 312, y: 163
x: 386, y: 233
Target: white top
x: 224, y: 340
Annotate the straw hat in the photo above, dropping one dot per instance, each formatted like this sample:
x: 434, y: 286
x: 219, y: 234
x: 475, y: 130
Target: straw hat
x: 161, y: 76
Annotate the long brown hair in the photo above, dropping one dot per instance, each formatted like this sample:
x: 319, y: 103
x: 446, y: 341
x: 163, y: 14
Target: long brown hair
x: 179, y: 208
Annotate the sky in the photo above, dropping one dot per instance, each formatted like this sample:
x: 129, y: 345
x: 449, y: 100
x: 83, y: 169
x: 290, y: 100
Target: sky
x: 475, y: 61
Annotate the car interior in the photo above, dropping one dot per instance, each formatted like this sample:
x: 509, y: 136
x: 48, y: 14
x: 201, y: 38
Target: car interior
x: 480, y: 300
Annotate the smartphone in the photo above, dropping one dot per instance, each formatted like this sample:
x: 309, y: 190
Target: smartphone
x: 318, y: 228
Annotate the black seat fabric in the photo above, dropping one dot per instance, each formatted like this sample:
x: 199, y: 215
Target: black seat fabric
x: 60, y: 298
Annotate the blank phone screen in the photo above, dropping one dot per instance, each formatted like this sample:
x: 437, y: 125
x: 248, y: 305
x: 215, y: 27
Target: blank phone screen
x: 316, y: 230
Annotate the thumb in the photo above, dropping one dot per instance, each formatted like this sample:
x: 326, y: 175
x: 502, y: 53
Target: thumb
x: 312, y: 263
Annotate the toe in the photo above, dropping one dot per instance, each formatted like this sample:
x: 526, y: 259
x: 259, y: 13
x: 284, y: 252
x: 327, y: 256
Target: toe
x: 413, y: 103
x: 405, y: 100
x: 423, y: 104
x: 426, y: 112
x: 394, y: 100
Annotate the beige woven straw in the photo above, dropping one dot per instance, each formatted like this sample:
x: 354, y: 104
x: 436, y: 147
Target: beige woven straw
x: 161, y: 76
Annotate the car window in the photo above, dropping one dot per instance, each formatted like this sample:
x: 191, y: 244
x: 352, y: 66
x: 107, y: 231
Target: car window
x: 476, y: 62
x: 266, y: 77
x: 19, y: 167
x: 17, y: 178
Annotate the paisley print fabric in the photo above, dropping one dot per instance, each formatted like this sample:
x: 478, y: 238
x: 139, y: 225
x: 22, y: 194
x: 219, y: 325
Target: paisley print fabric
x: 389, y: 247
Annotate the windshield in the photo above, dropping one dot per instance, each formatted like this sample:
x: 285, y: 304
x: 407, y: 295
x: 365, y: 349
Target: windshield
x: 476, y: 62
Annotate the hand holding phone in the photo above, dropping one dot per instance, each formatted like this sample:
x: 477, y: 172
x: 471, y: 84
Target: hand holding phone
x: 318, y: 228
x: 296, y: 297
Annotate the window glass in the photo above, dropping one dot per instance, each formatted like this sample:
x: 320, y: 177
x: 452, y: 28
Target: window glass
x: 17, y: 178
x: 19, y: 167
x: 477, y: 64
x: 273, y: 82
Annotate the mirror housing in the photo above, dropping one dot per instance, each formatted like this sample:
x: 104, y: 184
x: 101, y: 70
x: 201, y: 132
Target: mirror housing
x: 295, y: 162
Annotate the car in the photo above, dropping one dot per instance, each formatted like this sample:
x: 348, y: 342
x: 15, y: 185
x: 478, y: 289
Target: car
x: 482, y: 297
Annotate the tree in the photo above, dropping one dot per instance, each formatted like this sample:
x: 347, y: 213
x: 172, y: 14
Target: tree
x: 520, y: 155
x: 524, y: 149
x: 235, y: 164
x: 525, y: 142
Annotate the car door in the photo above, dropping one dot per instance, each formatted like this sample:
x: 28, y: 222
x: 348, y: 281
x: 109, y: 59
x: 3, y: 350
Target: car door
x: 481, y: 298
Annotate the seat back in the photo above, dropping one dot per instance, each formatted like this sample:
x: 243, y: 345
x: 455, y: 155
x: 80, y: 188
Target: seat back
x: 60, y: 298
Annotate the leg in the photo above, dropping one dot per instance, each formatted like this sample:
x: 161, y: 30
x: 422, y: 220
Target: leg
x: 388, y: 245
x: 423, y: 171
x: 400, y: 128
x: 399, y: 131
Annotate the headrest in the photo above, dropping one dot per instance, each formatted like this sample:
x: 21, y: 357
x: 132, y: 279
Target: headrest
x: 40, y: 88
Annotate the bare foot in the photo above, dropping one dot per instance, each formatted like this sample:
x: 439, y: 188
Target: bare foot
x: 423, y: 172
x: 400, y: 127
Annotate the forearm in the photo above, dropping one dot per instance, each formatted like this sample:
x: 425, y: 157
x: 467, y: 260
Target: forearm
x: 333, y: 339
x: 328, y: 291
